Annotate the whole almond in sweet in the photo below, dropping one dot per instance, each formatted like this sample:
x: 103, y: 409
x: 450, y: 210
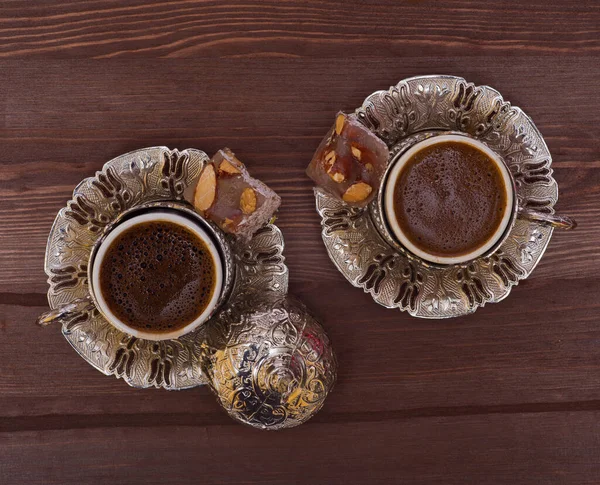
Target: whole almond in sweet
x: 339, y: 123
x: 336, y: 176
x: 330, y: 158
x: 248, y: 201
x: 357, y: 192
x: 227, y: 167
x: 206, y: 189
x: 356, y: 152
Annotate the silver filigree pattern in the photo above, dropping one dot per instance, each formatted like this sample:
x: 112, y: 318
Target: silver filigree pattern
x: 270, y: 364
x: 412, y: 110
x: 141, y: 178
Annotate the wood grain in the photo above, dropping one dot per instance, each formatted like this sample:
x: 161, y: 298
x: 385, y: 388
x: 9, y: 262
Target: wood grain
x: 509, y: 395
x: 313, y: 28
x: 523, y: 448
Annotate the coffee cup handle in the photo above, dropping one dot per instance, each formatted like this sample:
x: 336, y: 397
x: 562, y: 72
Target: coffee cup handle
x: 551, y: 220
x: 80, y: 305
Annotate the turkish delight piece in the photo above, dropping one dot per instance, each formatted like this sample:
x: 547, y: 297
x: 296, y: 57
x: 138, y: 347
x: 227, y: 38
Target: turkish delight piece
x: 227, y: 195
x: 350, y: 161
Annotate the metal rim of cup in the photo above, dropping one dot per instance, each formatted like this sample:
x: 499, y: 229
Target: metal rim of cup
x: 172, y: 214
x: 484, y: 250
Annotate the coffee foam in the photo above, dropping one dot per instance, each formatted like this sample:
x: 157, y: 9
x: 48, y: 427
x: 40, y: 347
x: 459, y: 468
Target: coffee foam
x: 449, y: 199
x: 157, y: 276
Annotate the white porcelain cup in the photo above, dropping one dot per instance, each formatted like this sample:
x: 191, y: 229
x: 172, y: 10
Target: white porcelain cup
x: 156, y: 216
x: 497, y: 236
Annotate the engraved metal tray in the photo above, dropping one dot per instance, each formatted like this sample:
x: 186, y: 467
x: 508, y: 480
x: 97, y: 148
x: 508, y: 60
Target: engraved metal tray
x: 418, y: 107
x: 135, y: 179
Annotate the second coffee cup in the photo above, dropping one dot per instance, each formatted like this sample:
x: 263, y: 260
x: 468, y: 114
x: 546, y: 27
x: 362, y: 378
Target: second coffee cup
x: 449, y: 199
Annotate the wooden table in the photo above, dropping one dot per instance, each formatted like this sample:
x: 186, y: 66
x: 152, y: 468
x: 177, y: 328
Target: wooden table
x: 509, y: 395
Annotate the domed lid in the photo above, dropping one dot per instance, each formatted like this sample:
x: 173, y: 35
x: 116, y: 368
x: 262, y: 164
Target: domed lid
x: 272, y: 365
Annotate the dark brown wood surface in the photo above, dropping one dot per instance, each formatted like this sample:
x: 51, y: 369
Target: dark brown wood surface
x: 509, y: 395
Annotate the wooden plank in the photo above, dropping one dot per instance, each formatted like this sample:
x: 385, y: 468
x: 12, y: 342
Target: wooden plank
x: 527, y: 448
x: 288, y: 29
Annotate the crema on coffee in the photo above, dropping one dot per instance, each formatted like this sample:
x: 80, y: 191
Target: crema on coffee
x: 450, y: 199
x: 157, y: 277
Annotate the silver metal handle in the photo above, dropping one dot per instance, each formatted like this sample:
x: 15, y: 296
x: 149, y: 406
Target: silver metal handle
x: 552, y: 220
x: 80, y: 305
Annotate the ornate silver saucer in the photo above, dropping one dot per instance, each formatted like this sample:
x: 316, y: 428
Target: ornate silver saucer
x: 147, y: 177
x: 356, y: 239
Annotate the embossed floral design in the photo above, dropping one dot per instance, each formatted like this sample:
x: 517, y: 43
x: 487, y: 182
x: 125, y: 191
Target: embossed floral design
x: 139, y: 169
x: 283, y: 332
x: 97, y: 344
x: 473, y: 286
x: 69, y: 276
x: 87, y: 214
x: 262, y: 261
x: 410, y: 288
x: 441, y: 303
x: 532, y: 172
x: 441, y: 300
x: 538, y: 205
x: 375, y: 273
x: 463, y: 104
x: 112, y: 188
x: 189, y: 366
x: 490, y: 127
x: 70, y: 240
x: 165, y: 353
x: 521, y: 142
x: 275, y: 368
x: 531, y: 245
x: 430, y: 95
x: 124, y: 358
x: 189, y: 369
x: 256, y: 261
x: 505, y: 268
x: 342, y: 218
x: 356, y: 251
x: 75, y: 320
x: 395, y: 105
x: 313, y: 345
x: 174, y: 172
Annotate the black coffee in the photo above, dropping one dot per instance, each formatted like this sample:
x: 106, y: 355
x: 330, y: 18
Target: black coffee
x: 450, y: 199
x: 157, y: 277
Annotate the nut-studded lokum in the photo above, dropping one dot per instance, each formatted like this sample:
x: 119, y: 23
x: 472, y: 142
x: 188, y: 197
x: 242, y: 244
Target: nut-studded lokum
x: 227, y: 195
x: 350, y: 161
